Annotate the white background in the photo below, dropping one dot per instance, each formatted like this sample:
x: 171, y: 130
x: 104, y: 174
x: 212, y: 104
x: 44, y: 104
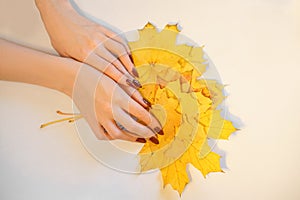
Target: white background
x: 256, y: 48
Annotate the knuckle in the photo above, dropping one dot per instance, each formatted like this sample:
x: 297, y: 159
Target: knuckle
x: 100, y: 48
x: 121, y: 50
x: 83, y: 53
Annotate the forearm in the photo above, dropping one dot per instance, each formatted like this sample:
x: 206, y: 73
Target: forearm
x: 26, y: 65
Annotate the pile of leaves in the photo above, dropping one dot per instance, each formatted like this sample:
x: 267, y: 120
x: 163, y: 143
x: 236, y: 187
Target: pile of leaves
x: 186, y: 105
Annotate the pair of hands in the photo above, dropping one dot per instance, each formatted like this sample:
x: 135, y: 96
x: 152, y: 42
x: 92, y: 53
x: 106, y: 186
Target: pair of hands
x: 105, y: 90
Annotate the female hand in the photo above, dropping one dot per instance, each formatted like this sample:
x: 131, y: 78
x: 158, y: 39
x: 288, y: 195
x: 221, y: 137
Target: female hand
x: 103, y: 103
x: 72, y: 35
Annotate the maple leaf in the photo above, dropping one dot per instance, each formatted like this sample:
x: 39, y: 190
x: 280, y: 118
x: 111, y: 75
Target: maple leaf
x: 185, y: 105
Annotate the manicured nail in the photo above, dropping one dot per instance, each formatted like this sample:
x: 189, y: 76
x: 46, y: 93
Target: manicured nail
x: 154, y: 140
x: 141, y: 140
x: 159, y: 131
x: 135, y: 73
x: 147, y: 102
x: 130, y: 56
x: 136, y: 83
x: 128, y: 81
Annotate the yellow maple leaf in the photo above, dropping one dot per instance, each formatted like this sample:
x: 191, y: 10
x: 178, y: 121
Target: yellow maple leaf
x: 186, y: 106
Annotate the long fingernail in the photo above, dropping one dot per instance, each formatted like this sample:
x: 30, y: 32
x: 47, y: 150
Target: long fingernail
x: 135, y: 73
x: 147, y: 102
x: 130, y: 56
x: 141, y: 140
x: 159, y: 131
x: 137, y: 83
x: 128, y: 81
x: 154, y: 140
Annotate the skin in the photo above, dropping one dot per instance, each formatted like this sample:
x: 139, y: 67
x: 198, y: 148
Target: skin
x: 75, y: 36
x: 100, y: 100
x: 109, y: 95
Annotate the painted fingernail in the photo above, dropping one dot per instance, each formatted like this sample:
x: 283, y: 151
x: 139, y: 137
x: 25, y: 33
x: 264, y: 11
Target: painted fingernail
x: 159, y: 131
x: 141, y: 140
x: 136, y: 83
x: 130, y: 56
x: 135, y: 73
x: 154, y: 140
x: 147, y: 102
x: 128, y: 81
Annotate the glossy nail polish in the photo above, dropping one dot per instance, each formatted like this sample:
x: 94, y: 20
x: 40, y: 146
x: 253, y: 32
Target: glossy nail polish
x: 136, y: 83
x: 141, y: 140
x: 154, y: 140
x: 147, y: 102
x: 128, y: 81
x: 159, y: 131
x: 135, y: 73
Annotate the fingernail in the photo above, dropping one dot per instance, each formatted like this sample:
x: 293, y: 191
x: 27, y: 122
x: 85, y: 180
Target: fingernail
x: 159, y: 131
x: 136, y: 83
x: 154, y: 140
x: 128, y: 81
x: 130, y: 56
x: 147, y: 102
x: 141, y: 140
x: 135, y: 73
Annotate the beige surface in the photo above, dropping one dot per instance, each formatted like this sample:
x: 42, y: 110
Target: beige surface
x: 255, y: 46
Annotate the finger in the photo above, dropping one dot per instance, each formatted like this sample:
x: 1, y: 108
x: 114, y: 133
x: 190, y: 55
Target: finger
x: 133, y: 126
x: 139, y: 112
x: 119, y: 50
x: 100, y: 132
x: 116, y: 37
x: 106, y: 55
x: 111, y: 71
x: 116, y: 133
x: 136, y: 95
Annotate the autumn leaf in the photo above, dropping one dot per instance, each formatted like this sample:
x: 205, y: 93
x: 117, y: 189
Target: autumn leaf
x: 185, y: 105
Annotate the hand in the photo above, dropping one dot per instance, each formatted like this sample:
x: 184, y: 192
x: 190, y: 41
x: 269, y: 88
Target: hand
x: 72, y: 35
x: 103, y: 103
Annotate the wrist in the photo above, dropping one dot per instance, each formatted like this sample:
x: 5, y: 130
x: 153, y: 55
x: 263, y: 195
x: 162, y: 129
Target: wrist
x: 54, y: 8
x: 26, y: 65
x: 42, y: 4
x: 66, y: 75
